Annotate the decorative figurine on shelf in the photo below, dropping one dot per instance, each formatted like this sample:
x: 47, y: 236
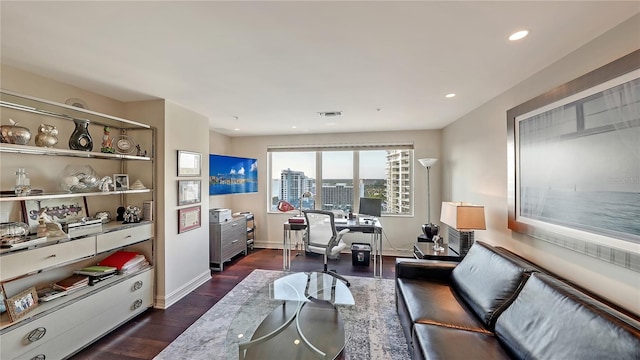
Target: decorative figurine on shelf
x: 48, y: 227
x: 47, y: 136
x: 105, y: 183
x: 120, y: 211
x: 140, y: 152
x: 132, y: 214
x: 14, y: 134
x: 80, y: 138
x: 106, y: 142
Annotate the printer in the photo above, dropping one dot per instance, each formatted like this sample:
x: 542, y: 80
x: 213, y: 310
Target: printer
x: 217, y: 216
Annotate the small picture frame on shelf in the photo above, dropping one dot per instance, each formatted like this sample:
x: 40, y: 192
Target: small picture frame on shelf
x: 121, y: 182
x: 3, y: 306
x: 18, y: 306
x: 189, y: 192
x: 61, y: 210
x: 188, y: 219
x: 189, y: 163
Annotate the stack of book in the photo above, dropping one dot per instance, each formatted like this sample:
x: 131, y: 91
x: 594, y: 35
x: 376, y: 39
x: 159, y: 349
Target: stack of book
x: 125, y: 262
x: 97, y: 273
x: 73, y: 282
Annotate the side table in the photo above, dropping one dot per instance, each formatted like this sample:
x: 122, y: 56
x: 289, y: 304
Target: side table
x: 424, y: 250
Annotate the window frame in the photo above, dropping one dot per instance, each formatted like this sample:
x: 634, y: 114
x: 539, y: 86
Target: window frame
x: 355, y: 149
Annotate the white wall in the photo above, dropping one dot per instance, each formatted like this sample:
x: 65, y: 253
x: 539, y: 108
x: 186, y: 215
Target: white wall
x: 185, y: 256
x: 475, y: 168
x: 400, y: 231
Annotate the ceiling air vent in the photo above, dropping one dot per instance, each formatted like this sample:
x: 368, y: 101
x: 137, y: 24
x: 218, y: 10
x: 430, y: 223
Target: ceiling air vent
x: 330, y: 113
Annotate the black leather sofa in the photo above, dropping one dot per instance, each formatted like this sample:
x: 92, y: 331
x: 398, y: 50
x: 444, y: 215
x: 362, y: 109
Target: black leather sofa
x: 496, y: 305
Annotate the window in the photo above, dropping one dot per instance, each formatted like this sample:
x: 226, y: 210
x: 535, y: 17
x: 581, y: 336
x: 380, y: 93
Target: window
x: 338, y: 177
x: 337, y: 180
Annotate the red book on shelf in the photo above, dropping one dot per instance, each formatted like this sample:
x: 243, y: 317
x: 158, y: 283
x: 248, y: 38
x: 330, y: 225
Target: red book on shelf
x: 118, y: 259
x: 296, y: 220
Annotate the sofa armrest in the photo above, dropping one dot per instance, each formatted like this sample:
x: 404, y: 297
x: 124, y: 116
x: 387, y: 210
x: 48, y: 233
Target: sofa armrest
x: 431, y: 270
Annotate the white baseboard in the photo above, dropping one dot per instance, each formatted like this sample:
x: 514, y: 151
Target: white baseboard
x: 163, y: 302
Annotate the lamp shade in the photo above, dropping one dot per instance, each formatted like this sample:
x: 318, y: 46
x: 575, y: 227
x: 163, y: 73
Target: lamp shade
x: 463, y: 216
x: 427, y: 162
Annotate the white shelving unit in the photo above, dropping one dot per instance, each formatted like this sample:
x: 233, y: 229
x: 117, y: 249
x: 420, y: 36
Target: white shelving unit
x: 60, y: 327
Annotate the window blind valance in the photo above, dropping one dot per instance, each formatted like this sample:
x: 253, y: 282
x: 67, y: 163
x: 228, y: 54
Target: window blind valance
x: 340, y: 147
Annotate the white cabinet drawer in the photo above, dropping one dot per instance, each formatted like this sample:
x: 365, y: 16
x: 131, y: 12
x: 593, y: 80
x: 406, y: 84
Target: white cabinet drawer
x: 119, y: 238
x: 24, y: 262
x: 71, y: 327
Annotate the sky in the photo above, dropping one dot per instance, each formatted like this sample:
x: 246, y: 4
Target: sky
x: 337, y: 164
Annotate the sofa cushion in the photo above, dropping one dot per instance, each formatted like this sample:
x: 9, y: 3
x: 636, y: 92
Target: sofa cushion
x: 488, y: 280
x: 551, y: 320
x: 435, y: 303
x: 437, y: 342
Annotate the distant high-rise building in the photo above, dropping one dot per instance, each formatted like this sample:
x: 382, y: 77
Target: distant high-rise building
x: 338, y: 196
x: 398, y: 181
x: 291, y: 185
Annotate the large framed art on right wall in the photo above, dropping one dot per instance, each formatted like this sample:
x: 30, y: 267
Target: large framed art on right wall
x: 574, y: 164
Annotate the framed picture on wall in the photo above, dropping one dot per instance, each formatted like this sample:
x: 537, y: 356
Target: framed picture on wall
x: 232, y: 175
x: 188, y: 219
x: 189, y: 163
x: 189, y: 192
x: 572, y: 155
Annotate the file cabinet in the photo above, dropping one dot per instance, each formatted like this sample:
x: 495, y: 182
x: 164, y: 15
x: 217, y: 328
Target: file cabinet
x: 227, y: 240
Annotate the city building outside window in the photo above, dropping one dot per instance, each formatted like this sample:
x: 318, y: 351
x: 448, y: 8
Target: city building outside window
x: 331, y: 176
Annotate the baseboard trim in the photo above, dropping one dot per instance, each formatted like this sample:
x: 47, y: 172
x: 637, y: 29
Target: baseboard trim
x: 164, y: 302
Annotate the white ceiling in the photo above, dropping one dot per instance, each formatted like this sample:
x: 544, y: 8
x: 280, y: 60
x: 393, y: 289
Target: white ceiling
x: 265, y: 67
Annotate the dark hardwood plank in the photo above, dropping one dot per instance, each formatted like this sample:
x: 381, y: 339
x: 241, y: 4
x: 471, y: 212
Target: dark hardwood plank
x: 149, y: 333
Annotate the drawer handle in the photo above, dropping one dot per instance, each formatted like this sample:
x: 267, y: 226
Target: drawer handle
x: 128, y: 236
x: 137, y: 285
x: 36, y: 334
x: 234, y: 241
x: 39, y: 357
x: 51, y: 256
x: 136, y: 304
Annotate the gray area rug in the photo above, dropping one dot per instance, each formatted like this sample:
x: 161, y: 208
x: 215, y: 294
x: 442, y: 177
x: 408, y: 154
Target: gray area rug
x: 373, y: 322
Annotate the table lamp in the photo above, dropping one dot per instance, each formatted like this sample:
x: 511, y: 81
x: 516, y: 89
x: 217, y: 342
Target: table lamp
x: 462, y: 218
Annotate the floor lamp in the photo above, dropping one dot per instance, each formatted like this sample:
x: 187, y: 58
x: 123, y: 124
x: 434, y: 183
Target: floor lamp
x: 429, y: 229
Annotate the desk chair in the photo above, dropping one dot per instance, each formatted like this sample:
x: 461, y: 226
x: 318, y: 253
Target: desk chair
x: 323, y: 238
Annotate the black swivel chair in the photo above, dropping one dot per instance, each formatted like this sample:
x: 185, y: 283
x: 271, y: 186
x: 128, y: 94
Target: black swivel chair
x: 323, y: 238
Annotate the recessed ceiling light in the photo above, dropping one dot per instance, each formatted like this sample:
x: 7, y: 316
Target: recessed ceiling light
x: 330, y: 113
x: 518, y: 35
x: 450, y: 95
x: 236, y: 129
x: 294, y: 127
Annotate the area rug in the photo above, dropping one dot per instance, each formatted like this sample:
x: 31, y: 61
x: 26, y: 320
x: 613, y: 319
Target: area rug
x: 372, y: 323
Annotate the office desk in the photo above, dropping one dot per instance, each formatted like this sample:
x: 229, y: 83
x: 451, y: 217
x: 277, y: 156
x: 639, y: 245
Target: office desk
x: 375, y: 229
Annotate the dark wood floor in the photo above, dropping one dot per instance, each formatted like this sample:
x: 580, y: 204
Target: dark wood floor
x: 150, y: 332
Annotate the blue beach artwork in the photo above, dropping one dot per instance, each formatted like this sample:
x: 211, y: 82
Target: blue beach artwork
x: 232, y: 175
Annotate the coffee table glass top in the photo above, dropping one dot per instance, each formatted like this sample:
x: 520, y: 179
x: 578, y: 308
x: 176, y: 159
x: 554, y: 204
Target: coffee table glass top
x: 295, y: 317
x: 311, y: 286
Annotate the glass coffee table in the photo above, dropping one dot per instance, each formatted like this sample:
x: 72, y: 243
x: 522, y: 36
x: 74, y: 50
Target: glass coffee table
x: 295, y: 317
